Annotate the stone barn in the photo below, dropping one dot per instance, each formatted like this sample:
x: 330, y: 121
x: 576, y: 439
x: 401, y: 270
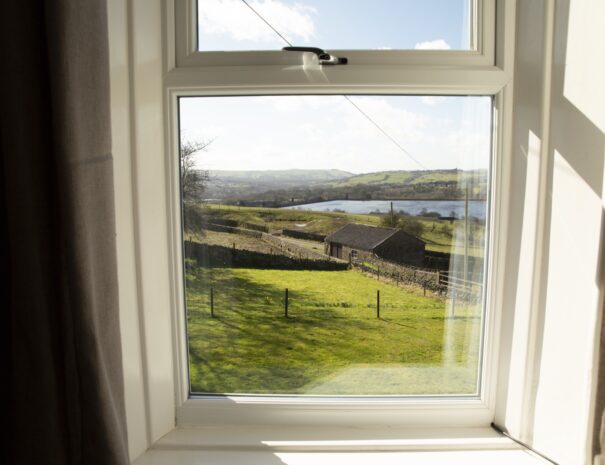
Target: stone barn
x: 359, y: 242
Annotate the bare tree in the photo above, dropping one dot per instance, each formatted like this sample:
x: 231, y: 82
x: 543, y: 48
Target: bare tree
x: 193, y: 181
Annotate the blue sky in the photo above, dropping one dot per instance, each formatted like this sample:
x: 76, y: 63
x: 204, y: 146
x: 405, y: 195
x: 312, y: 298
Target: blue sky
x: 334, y: 24
x: 328, y: 132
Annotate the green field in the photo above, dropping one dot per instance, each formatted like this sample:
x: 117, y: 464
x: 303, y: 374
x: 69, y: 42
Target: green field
x: 332, y: 342
x: 437, y: 233
x: 413, y: 177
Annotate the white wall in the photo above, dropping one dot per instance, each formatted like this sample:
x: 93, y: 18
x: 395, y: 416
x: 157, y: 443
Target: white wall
x: 135, y: 394
x: 139, y: 158
x: 555, y: 241
x: 553, y: 297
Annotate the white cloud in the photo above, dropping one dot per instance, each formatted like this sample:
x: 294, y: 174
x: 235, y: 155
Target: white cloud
x: 431, y: 100
x: 293, y: 103
x: 401, y: 124
x: 235, y: 19
x: 438, y: 44
x: 469, y: 146
x: 328, y: 132
x: 209, y: 132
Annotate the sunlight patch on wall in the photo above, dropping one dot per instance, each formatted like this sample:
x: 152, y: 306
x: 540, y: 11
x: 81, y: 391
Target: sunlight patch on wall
x: 572, y: 293
x: 584, y: 64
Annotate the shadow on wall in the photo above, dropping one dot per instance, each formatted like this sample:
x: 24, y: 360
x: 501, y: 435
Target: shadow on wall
x: 572, y: 240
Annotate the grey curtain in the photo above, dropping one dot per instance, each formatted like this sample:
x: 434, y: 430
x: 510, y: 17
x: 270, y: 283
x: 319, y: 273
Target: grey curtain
x: 63, y: 396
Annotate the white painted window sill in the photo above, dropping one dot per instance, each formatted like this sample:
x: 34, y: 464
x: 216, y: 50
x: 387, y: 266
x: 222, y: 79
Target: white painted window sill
x: 228, y: 445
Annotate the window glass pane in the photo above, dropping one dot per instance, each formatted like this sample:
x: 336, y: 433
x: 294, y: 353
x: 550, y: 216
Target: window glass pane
x: 335, y: 245
x: 334, y: 24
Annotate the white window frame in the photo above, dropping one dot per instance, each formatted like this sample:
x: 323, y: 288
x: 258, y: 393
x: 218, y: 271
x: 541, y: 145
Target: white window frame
x: 192, y: 73
x: 481, y: 53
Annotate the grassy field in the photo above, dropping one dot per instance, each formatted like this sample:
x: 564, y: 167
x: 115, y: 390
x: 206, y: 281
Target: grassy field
x: 437, y: 233
x: 332, y: 342
x: 276, y: 218
x: 477, y: 177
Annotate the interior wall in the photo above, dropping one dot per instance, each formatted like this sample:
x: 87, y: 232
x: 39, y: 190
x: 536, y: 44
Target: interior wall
x: 556, y: 237
x: 132, y: 359
x: 522, y: 227
x: 554, y: 294
x: 137, y: 100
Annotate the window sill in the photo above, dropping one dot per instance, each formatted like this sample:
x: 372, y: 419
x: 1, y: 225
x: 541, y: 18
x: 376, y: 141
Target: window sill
x: 297, y: 445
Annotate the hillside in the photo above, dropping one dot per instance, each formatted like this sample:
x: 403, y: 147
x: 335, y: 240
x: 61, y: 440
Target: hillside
x: 437, y: 233
x: 225, y: 184
x: 404, y: 178
x: 265, y: 190
x: 282, y: 176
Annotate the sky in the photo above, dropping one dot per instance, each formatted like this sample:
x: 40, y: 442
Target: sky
x: 328, y: 132
x: 334, y: 24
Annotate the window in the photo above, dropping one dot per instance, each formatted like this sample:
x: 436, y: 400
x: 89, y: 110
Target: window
x: 526, y: 250
x: 274, y: 304
x: 209, y: 100
x: 253, y: 32
x: 389, y: 24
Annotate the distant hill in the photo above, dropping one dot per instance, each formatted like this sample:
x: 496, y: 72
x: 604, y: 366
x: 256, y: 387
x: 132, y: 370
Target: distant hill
x: 225, y: 184
x: 407, y: 178
x: 294, y: 176
x: 295, y: 187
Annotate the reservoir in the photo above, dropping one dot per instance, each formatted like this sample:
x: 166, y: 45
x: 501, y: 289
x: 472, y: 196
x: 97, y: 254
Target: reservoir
x: 476, y: 208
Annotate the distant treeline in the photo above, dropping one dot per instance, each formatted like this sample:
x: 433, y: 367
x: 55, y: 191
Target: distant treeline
x: 388, y: 185
x: 447, y: 190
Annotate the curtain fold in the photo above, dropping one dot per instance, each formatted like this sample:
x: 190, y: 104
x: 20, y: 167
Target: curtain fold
x: 60, y: 321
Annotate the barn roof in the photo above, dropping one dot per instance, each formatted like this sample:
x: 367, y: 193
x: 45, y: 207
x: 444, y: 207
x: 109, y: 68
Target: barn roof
x: 361, y: 236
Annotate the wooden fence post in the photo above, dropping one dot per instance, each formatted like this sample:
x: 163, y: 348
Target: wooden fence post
x: 377, y: 303
x: 424, y: 287
x: 211, y: 302
x: 453, y: 302
x: 286, y: 303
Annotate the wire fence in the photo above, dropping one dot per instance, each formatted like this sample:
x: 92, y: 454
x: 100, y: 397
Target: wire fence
x: 292, y: 304
x: 442, y: 282
x: 220, y: 303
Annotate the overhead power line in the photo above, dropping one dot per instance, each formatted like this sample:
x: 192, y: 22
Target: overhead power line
x: 366, y: 116
x: 267, y: 22
x: 387, y: 135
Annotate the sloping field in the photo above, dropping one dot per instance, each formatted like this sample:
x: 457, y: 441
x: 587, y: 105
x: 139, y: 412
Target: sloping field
x: 412, y: 177
x: 331, y: 342
x: 437, y: 233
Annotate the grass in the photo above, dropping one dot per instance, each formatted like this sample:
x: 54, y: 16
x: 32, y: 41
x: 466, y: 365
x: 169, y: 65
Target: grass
x: 413, y: 177
x: 437, y: 233
x: 370, y: 266
x: 276, y: 218
x: 400, y: 177
x: 331, y: 343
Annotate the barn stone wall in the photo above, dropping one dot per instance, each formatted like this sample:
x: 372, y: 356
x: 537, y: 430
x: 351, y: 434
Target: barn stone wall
x: 402, y: 248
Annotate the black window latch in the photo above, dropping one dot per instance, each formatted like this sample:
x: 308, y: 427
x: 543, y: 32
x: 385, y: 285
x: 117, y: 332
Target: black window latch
x: 324, y: 57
